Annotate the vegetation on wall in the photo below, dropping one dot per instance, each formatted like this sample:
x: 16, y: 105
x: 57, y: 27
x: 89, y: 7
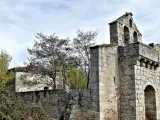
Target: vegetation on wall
x: 10, y: 107
x: 51, y: 56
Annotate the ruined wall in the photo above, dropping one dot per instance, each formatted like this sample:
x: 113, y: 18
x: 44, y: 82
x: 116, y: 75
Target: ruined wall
x: 52, y: 101
x: 25, y: 81
x: 107, y: 81
x: 94, y: 76
x: 76, y: 104
x: 124, y: 81
x: 119, y: 78
x: 99, y: 102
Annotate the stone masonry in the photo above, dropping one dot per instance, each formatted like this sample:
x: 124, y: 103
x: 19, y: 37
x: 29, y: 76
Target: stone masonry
x: 62, y: 105
x: 125, y: 74
x: 124, y: 84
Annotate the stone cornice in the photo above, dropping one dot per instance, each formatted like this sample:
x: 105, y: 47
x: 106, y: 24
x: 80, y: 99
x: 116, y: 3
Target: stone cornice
x: 147, y: 63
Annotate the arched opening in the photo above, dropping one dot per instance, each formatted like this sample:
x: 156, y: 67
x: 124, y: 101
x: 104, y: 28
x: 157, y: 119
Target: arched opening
x: 45, y: 88
x: 130, y: 23
x: 126, y: 35
x: 142, y: 62
x: 135, y: 38
x: 150, y: 103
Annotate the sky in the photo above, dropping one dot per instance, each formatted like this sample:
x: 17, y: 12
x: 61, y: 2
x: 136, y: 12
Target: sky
x: 20, y: 20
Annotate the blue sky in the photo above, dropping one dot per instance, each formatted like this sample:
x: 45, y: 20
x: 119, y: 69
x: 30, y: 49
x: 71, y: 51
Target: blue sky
x: 20, y: 20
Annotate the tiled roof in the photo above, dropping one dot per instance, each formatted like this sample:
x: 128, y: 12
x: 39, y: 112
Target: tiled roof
x: 23, y: 69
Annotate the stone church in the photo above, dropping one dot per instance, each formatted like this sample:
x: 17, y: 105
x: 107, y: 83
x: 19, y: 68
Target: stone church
x: 125, y: 74
x: 124, y: 81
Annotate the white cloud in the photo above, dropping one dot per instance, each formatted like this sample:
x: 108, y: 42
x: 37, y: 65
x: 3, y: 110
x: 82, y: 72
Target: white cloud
x: 20, y: 20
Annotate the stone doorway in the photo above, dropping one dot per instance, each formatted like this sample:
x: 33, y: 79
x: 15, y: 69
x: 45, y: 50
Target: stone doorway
x: 150, y: 103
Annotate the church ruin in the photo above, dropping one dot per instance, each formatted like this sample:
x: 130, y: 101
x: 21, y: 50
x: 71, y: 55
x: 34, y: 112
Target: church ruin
x: 126, y: 74
x: 124, y: 85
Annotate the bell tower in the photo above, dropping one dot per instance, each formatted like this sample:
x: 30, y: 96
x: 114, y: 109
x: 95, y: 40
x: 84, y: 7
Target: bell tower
x: 124, y: 31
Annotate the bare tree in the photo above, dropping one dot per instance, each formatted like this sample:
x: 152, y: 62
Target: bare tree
x: 65, y: 65
x: 82, y: 44
x: 46, y: 55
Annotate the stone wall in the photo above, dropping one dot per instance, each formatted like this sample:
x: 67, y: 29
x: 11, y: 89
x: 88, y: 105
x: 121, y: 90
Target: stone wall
x: 76, y: 104
x: 107, y: 79
x: 127, y: 58
x: 139, y: 68
x: 94, y: 76
x: 124, y: 81
x: 25, y: 81
x: 157, y: 47
x: 28, y: 82
x: 125, y: 73
x: 148, y: 52
x: 147, y: 74
x: 143, y: 78
x: 120, y: 77
x: 113, y: 78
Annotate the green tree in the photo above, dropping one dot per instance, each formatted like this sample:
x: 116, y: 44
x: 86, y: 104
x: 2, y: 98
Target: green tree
x: 10, y: 107
x: 5, y: 78
x: 47, y: 53
x: 52, y: 56
x: 77, y: 78
x: 5, y: 59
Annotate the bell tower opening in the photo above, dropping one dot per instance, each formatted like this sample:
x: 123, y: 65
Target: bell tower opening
x: 135, y: 38
x: 130, y: 23
x: 126, y: 35
x: 123, y: 31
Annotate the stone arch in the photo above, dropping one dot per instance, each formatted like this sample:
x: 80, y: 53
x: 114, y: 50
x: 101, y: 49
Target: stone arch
x: 135, y: 36
x: 150, y: 103
x: 126, y: 35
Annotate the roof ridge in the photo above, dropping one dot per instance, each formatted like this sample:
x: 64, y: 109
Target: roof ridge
x: 126, y: 14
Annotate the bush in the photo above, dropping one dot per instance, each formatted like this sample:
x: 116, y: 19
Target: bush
x: 12, y: 109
